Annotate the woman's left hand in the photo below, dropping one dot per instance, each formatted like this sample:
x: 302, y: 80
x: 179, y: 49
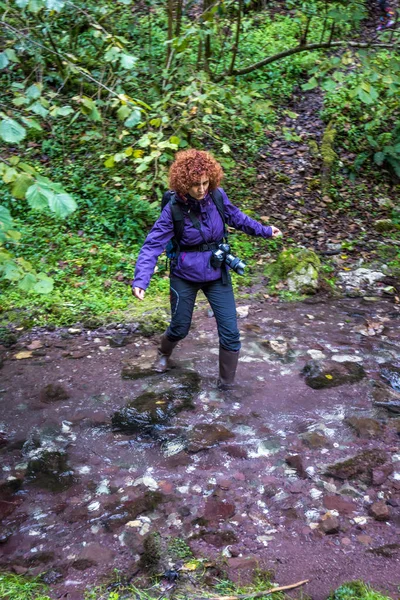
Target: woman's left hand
x: 276, y: 232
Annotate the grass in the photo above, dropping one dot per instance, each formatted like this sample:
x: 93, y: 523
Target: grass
x: 15, y: 587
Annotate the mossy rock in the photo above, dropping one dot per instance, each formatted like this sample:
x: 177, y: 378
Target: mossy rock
x: 385, y: 225
x: 7, y: 337
x: 154, y: 322
x: 299, y: 267
x: 356, y: 590
x: 359, y: 466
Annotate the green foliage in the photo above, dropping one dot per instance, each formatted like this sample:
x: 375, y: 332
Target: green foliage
x: 15, y: 587
x: 356, y: 590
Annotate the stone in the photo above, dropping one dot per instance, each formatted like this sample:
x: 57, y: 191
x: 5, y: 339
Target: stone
x: 385, y: 397
x: 365, y: 427
x: 242, y: 311
x: 391, y: 374
x: 387, y: 550
x: 48, y: 468
x: 380, y: 474
x: 358, y: 466
x: 313, y: 439
x: 153, y: 322
x: 380, y: 511
x: 118, y: 340
x: 299, y: 267
x: 296, y: 462
x: 343, y: 506
x: 365, y: 540
x: 218, y: 538
x: 328, y: 373
x: 236, y: 451
x: 135, y: 370
x: 359, y: 278
x: 170, y: 396
x: 53, y: 392
x: 206, y: 436
x: 329, y: 524
x: 218, y: 510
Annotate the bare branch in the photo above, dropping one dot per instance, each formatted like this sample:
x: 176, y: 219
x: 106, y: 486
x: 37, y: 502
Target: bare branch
x: 307, y: 48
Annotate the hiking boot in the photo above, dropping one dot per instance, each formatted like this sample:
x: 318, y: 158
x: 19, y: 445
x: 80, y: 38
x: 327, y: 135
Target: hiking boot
x: 228, y: 362
x: 163, y: 361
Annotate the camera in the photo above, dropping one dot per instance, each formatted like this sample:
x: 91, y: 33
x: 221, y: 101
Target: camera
x: 222, y: 254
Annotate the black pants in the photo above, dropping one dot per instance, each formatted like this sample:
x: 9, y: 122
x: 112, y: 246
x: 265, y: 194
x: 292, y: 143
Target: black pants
x: 183, y: 296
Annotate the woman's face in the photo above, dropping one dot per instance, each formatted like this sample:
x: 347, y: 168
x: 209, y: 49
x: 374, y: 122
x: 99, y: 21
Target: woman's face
x: 199, y: 188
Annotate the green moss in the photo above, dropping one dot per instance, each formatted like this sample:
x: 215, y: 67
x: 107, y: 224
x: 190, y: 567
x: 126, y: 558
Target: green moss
x: 356, y: 590
x: 179, y: 549
x: 290, y: 261
x: 155, y: 322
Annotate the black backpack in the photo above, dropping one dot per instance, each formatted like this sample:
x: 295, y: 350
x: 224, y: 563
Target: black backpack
x: 177, y: 212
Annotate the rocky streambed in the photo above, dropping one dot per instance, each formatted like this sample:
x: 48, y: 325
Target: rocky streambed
x: 107, y: 465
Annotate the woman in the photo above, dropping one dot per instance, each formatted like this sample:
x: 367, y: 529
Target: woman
x: 195, y: 177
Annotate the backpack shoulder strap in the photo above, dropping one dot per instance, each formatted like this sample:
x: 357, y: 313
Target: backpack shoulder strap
x: 177, y: 218
x: 219, y: 203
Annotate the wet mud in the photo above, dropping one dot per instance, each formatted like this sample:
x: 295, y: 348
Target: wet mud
x: 297, y: 471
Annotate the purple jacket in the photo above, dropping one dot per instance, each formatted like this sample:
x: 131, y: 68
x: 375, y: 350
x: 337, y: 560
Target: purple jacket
x: 193, y: 266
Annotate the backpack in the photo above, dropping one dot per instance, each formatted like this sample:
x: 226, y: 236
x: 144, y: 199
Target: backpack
x: 172, y: 249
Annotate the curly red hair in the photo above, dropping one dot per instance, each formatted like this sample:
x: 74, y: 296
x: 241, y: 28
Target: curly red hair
x: 191, y: 164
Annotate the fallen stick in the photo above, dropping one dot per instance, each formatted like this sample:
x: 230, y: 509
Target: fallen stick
x: 256, y: 594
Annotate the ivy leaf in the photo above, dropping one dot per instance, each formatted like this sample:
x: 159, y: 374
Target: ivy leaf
x: 11, y: 131
x: 35, y: 6
x: 134, y: 118
x: 379, y: 157
x: 34, y: 91
x: 27, y: 282
x: 44, y: 285
x: 310, y: 85
x: 39, y: 196
x: 62, y: 205
x: 38, y: 109
x: 56, y: 5
x: 3, y: 60
x: 6, y: 221
x: 31, y: 123
x: 123, y: 112
x: 127, y: 61
x: 64, y: 111
x: 21, y: 185
x: 11, y: 272
x: 90, y: 109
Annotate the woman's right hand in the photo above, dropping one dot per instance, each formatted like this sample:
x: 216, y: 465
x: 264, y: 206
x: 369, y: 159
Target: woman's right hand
x: 138, y: 293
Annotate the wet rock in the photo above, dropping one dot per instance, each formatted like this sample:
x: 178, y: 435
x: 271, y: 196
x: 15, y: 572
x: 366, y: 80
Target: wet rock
x: 328, y: 373
x: 278, y: 348
x: 48, y: 468
x: 242, y: 568
x: 387, y: 550
x: 365, y: 427
x: 91, y: 555
x: 380, y: 511
x: 135, y: 370
x: 380, y: 475
x: 236, y: 451
x: 147, y: 502
x: 358, y: 466
x: 173, y: 394
x: 52, y: 576
x: 385, y: 397
x: 313, y: 439
x: 40, y: 558
x: 118, y: 340
x: 329, y: 524
x: 146, y: 411
x: 242, y: 311
x: 216, y: 510
x: 391, y: 374
x: 219, y: 539
x: 349, y: 490
x: 343, y: 506
x: 206, y: 436
x: 296, y: 462
x: 53, y: 392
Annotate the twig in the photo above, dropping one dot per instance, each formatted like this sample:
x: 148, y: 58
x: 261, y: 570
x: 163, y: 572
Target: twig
x: 256, y: 594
